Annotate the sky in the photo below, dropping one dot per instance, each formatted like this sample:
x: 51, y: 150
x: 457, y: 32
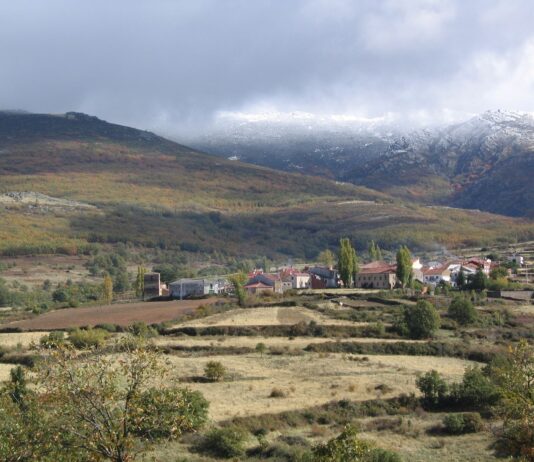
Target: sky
x: 175, y: 66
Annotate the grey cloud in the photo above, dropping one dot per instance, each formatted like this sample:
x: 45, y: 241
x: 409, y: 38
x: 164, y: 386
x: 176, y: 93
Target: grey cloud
x: 171, y: 65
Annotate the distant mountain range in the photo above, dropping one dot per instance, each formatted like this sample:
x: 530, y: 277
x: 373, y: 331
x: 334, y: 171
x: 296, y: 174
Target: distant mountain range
x: 69, y: 181
x: 486, y: 162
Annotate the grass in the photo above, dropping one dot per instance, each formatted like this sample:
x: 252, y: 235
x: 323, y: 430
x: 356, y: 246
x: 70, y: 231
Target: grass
x: 271, y: 316
x: 251, y: 379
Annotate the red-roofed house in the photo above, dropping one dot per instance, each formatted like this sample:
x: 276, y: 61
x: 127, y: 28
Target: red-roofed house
x: 437, y: 274
x: 258, y: 287
x: 376, y: 275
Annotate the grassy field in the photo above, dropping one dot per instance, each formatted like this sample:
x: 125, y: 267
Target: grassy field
x: 271, y: 316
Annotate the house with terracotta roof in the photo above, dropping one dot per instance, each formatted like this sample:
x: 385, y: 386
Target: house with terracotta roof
x: 437, y: 274
x: 258, y: 287
x: 376, y: 275
x: 269, y: 279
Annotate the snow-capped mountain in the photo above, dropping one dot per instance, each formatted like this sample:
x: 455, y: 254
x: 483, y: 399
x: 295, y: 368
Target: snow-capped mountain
x: 485, y: 162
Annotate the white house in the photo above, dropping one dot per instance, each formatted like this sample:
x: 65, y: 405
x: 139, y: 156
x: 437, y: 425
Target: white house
x: 187, y: 288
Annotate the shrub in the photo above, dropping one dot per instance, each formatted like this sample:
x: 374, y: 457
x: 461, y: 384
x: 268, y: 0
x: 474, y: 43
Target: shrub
x: 476, y: 389
x: 462, y: 310
x: 140, y: 329
x: 225, y: 442
x: 215, y: 371
x: 383, y: 455
x: 88, y: 338
x: 54, y: 339
x: 433, y: 387
x: 345, y: 447
x: 277, y: 393
x: 168, y: 412
x: 459, y: 424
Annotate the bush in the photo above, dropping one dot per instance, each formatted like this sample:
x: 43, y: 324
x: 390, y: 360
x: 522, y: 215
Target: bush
x: 459, y: 424
x: 345, y: 447
x: 54, y: 339
x: 421, y: 320
x: 476, y: 390
x: 140, y: 329
x: 225, y: 442
x: 88, y: 338
x: 382, y: 455
x: 433, y: 387
x: 168, y: 412
x: 277, y: 393
x: 462, y: 310
x: 215, y: 371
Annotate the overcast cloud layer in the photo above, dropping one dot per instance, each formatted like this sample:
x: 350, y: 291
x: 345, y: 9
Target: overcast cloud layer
x: 173, y: 65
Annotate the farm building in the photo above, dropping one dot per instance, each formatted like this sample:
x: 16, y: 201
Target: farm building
x: 152, y: 285
x: 323, y: 278
x: 376, y: 275
x: 190, y: 288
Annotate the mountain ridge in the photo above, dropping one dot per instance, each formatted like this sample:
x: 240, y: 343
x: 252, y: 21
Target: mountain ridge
x: 454, y: 164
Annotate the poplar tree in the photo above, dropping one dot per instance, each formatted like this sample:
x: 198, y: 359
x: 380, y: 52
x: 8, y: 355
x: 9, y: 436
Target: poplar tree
x: 404, y: 266
x: 140, y: 282
x: 347, y: 262
x: 107, y: 289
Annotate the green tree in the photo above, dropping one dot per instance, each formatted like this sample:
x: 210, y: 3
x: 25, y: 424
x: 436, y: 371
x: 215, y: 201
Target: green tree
x: 404, y: 267
x: 140, y: 282
x: 462, y: 310
x: 422, y: 320
x: 107, y: 289
x: 326, y: 258
x: 515, y: 380
x: 102, y: 405
x: 215, y: 371
x: 346, y: 447
x: 347, y: 262
x: 460, y: 280
x: 375, y: 253
x: 238, y: 281
x: 433, y: 387
x: 478, y: 281
x: 261, y: 348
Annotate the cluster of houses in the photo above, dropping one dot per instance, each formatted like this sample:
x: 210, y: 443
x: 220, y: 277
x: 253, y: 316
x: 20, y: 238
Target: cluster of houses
x: 374, y: 275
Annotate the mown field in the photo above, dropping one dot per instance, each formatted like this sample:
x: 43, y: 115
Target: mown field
x: 326, y: 360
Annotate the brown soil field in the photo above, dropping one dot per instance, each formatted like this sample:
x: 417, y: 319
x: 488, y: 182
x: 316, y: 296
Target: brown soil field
x: 122, y: 314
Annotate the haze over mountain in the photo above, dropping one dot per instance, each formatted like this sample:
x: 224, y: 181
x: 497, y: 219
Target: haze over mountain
x: 485, y: 162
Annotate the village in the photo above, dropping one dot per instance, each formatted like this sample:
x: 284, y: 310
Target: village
x: 376, y: 274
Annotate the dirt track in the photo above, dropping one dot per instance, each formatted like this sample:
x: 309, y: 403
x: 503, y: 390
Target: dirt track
x: 122, y: 314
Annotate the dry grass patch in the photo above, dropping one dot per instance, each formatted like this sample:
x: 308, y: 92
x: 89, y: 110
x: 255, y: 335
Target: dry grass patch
x: 4, y: 371
x: 251, y: 379
x: 270, y: 342
x: 271, y: 316
x: 20, y: 338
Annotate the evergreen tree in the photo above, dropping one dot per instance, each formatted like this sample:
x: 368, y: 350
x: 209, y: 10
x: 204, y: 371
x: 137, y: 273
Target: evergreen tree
x: 404, y: 267
x: 460, y: 280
